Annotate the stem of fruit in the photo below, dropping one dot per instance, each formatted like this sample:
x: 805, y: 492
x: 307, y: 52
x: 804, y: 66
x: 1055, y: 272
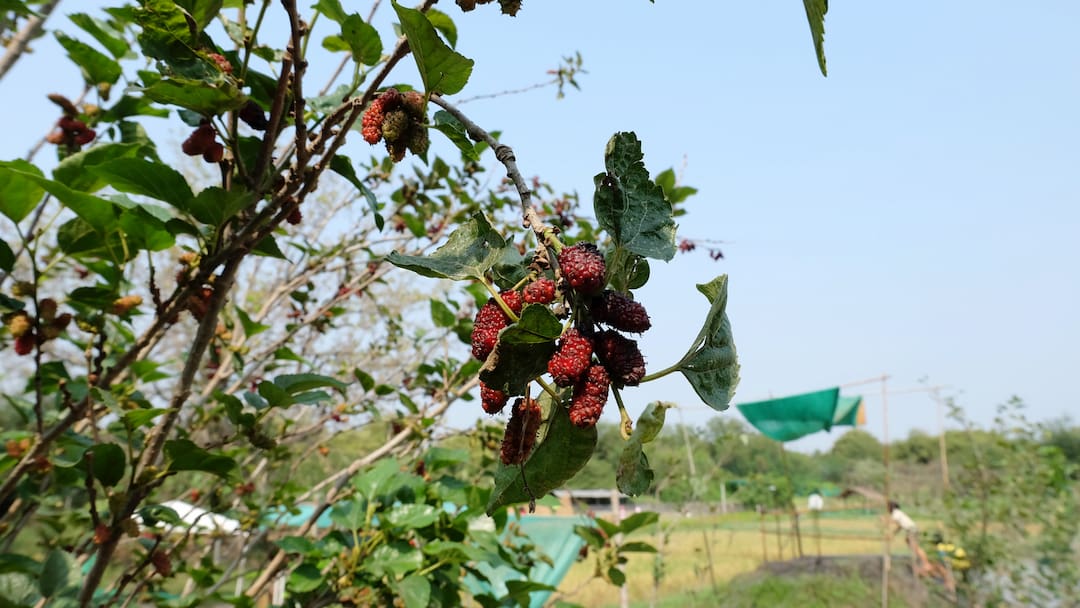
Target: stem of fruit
x: 549, y: 390
x: 626, y: 425
x: 498, y: 300
x: 661, y: 373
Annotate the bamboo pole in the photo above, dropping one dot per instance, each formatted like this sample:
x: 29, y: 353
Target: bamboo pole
x: 886, y: 557
x: 764, y: 535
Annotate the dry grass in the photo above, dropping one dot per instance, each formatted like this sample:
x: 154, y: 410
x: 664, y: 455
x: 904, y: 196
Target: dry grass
x: 734, y: 543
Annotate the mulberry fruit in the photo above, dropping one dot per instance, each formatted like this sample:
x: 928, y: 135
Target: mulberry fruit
x: 590, y: 396
x: 622, y: 358
x: 514, y: 300
x: 20, y: 324
x: 540, y: 291
x: 413, y: 101
x: 395, y: 125
x: 24, y: 344
x: 492, y: 400
x: 617, y: 310
x: 418, y: 142
x: 489, y: 322
x: 583, y: 266
x: 200, y: 140
x: 372, y: 121
x: 520, y: 436
x: 571, y: 360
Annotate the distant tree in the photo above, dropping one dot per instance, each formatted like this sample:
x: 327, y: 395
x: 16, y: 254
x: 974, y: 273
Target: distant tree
x: 918, y: 448
x: 857, y: 444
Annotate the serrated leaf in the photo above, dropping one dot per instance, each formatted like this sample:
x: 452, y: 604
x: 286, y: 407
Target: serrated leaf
x: 629, y: 206
x: 393, y: 559
x: 453, y: 551
x: 415, y: 591
x: 411, y: 516
x: 522, y: 351
x: 19, y: 191
x: 107, y: 462
x: 633, y: 476
x: 362, y: 38
x: 564, y: 450
x: 154, y: 179
x: 469, y: 253
x: 57, y: 573
x: 251, y: 328
x: 711, y: 365
x: 184, y: 455
x: 97, y: 67
x: 199, y: 96
x: 592, y: 536
x: 98, y: 213
x: 815, y: 15
x: 76, y: 173
x: 343, y: 166
x: 215, y: 206
x: 108, y: 37
x: 445, y: 123
x: 442, y: 69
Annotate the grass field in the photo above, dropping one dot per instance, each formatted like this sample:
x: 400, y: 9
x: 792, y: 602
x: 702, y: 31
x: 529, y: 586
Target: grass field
x: 702, y: 553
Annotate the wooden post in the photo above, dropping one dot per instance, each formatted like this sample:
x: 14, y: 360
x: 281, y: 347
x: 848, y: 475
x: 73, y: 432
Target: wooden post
x: 798, y: 533
x: 943, y: 451
x: 779, y: 537
x: 886, y: 558
x: 764, y: 543
x: 817, y: 530
x: 708, y: 554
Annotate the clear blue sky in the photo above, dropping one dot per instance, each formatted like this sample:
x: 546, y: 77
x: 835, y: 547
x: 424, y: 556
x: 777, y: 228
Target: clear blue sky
x: 915, y: 213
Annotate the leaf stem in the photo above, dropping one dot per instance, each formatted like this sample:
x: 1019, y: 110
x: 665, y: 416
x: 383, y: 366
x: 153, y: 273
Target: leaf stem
x: 549, y: 390
x: 662, y: 373
x: 498, y: 300
x: 626, y: 424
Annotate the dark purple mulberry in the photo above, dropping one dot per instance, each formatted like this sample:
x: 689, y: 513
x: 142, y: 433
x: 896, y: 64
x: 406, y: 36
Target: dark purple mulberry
x: 492, y: 400
x: 621, y: 356
x: 617, y: 310
x: 520, y: 436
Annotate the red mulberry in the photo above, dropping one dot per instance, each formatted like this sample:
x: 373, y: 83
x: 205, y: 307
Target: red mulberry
x: 572, y: 358
x: 622, y: 358
x: 620, y: 312
x: 492, y: 400
x: 490, y: 320
x: 590, y: 396
x: 24, y: 344
x: 514, y: 300
x: 540, y: 291
x: 372, y: 121
x: 520, y: 436
x: 583, y: 266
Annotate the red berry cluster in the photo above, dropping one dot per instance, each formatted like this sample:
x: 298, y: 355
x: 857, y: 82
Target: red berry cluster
x: 71, y: 132
x: 50, y: 325
x: 398, y: 119
x: 520, y: 436
x: 202, y: 141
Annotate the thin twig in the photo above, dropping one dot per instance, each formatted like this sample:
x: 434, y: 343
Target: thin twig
x: 21, y: 41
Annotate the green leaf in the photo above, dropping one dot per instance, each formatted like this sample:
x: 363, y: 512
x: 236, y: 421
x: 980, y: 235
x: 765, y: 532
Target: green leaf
x: 592, y: 536
x: 442, y: 69
x: 7, y: 256
x: 154, y: 179
x: 97, y: 67
x: 105, y: 34
x: 393, y: 559
x: 350, y: 515
x: 412, y: 516
x: 441, y: 314
x: 365, y: 379
x: 332, y: 9
x: 637, y: 547
x: 453, y: 551
x: 815, y: 14
x: 184, y: 455
x: 522, y: 351
x: 673, y: 193
x: 251, y: 328
x: 198, y: 96
x: 97, y: 212
x: 57, y: 573
x: 298, y: 383
x: 563, y: 451
x: 305, y: 578
x: 378, y: 479
x: 275, y: 396
x: 268, y: 247
x: 76, y: 173
x: 134, y: 419
x: 343, y: 166
x: 295, y: 544
x: 469, y: 252
x: 444, y: 24
x: 363, y: 39
x: 629, y: 206
x: 107, y: 462
x: 215, y: 206
x: 202, y: 11
x: 452, y: 128
x: 711, y: 365
x: 19, y: 194
x: 633, y: 476
x: 415, y: 591
x: 638, y: 520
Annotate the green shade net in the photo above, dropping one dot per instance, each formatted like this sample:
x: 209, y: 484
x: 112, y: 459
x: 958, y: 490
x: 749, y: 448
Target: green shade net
x: 552, y: 535
x: 790, y: 418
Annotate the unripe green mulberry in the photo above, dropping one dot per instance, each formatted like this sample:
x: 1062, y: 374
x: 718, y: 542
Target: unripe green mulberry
x: 395, y: 125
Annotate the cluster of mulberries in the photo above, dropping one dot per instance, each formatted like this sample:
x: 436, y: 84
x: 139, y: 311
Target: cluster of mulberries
x: 203, y: 142
x: 520, y: 436
x: 398, y: 119
x: 71, y: 132
x: 50, y: 325
x: 490, y: 320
